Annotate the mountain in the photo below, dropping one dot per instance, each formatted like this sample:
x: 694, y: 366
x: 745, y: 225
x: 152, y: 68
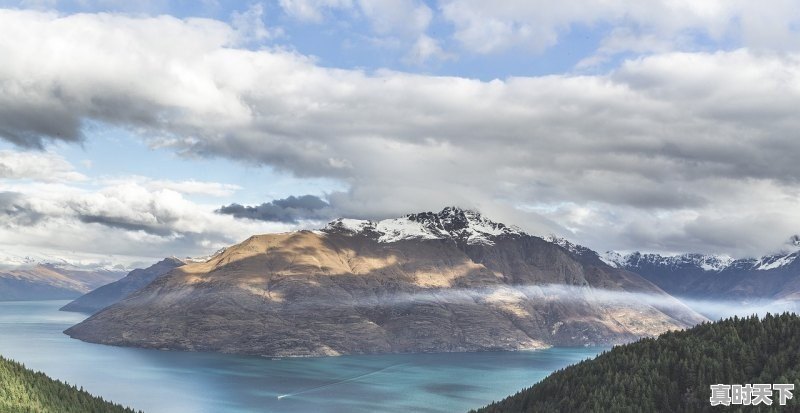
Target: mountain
x: 108, y: 294
x: 23, y: 390
x: 428, y: 282
x: 771, y: 277
x: 51, y: 282
x: 673, y: 372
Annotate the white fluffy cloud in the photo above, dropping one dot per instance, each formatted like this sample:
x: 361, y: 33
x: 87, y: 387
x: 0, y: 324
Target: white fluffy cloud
x: 485, y: 27
x: 187, y: 187
x: 397, y: 16
x: 312, y: 10
x: 395, y: 23
x: 386, y: 17
x: 43, y: 166
x: 426, y: 49
x: 126, y: 218
x: 250, y: 25
x: 656, y: 154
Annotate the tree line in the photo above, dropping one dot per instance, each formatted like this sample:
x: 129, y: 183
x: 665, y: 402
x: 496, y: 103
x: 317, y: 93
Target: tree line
x: 673, y: 372
x: 25, y: 391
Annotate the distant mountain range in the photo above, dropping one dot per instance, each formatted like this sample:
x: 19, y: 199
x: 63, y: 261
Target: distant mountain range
x: 51, y: 282
x: 10, y: 261
x: 711, y: 277
x: 111, y: 293
x: 427, y: 282
x: 775, y: 277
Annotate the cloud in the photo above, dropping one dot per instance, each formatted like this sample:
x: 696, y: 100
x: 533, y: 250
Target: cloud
x: 114, y: 219
x: 188, y: 187
x: 290, y: 210
x: 250, y: 25
x: 15, y: 210
x: 39, y: 166
x: 397, y: 16
x: 626, y: 40
x: 657, y: 153
x: 426, y: 49
x: 133, y: 207
x: 487, y: 27
x: 407, y: 18
x: 124, y: 220
x: 126, y: 224
x: 312, y: 10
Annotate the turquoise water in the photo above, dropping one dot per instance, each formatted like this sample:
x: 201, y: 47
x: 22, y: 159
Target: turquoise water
x: 163, y: 381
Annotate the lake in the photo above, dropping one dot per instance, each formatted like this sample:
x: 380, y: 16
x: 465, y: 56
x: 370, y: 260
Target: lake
x: 165, y: 381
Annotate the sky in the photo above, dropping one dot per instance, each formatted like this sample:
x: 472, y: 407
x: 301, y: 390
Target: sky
x: 130, y: 131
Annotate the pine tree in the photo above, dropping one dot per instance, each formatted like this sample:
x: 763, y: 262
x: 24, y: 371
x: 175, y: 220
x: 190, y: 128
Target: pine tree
x: 673, y: 373
x: 23, y: 390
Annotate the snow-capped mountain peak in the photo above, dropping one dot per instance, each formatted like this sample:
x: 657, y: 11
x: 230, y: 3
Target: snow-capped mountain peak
x: 781, y: 259
x: 568, y: 245
x: 450, y: 223
x: 611, y: 258
x: 14, y: 261
x: 705, y: 262
x: 771, y: 262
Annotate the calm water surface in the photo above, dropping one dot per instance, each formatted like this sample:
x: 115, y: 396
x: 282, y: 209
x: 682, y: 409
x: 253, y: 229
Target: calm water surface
x: 163, y: 381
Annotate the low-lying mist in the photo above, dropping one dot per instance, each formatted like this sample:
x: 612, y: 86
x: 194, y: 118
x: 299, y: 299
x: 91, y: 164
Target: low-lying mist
x: 712, y: 309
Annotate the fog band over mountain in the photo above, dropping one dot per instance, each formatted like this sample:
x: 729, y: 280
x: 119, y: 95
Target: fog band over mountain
x: 712, y: 309
x: 545, y: 294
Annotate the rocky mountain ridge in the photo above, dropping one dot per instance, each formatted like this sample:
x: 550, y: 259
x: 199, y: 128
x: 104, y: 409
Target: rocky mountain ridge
x: 461, y: 225
x: 111, y: 293
x: 429, y: 282
x: 50, y: 282
x: 692, y: 275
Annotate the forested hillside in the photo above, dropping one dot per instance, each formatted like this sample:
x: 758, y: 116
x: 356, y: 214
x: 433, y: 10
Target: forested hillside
x: 23, y: 390
x: 672, y: 373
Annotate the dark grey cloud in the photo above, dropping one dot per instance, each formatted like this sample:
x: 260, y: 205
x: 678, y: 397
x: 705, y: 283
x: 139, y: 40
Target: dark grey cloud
x: 29, y: 126
x: 162, y: 229
x: 16, y: 210
x: 289, y: 210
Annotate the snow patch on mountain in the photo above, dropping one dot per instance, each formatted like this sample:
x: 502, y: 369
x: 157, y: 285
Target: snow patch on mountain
x: 775, y: 261
x: 470, y: 227
x: 13, y: 261
x: 563, y: 243
x: 576, y: 249
x: 202, y: 258
x: 706, y: 262
x: 612, y: 259
x: 351, y: 225
x: 398, y: 229
x: 715, y: 262
x: 450, y: 223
